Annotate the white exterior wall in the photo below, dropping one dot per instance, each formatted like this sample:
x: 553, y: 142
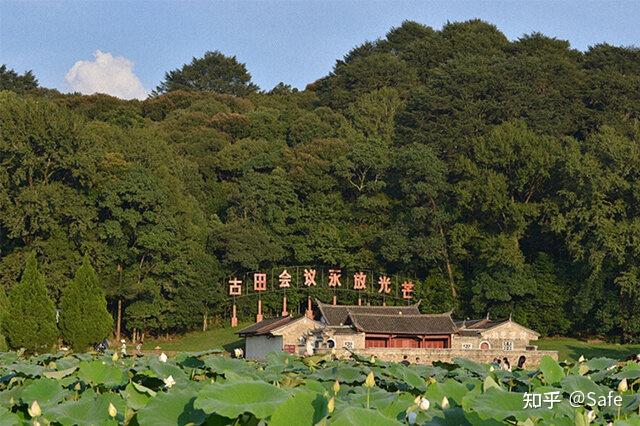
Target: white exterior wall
x: 256, y: 347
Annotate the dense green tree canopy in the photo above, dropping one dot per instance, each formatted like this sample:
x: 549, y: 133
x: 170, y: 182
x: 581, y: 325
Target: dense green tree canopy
x: 502, y: 175
x: 11, y: 80
x: 214, y: 72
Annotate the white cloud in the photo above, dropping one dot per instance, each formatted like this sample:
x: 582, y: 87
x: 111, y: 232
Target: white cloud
x: 108, y: 74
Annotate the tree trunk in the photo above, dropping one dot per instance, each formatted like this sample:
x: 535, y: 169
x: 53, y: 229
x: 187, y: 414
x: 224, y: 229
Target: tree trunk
x: 119, y: 323
x: 445, y: 253
x: 204, y: 322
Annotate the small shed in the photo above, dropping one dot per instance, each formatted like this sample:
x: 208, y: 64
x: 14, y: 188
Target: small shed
x: 276, y: 335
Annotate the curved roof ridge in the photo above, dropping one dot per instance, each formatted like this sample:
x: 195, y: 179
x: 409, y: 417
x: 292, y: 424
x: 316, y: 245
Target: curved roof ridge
x: 444, y: 314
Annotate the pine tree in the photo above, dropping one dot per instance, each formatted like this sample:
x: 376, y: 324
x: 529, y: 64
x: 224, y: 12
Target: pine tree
x: 84, y: 318
x: 30, y: 320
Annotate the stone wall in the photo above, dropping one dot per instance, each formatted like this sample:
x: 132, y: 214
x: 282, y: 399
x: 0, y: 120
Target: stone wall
x: 292, y: 332
x: 428, y: 356
x: 256, y: 347
x: 355, y: 339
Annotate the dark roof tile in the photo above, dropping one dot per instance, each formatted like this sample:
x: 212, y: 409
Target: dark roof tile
x: 264, y: 326
x: 403, y: 324
x: 338, y: 314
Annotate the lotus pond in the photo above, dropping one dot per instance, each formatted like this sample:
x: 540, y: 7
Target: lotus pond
x: 207, y: 388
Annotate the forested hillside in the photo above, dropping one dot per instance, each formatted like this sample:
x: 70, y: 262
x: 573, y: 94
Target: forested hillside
x: 504, y: 175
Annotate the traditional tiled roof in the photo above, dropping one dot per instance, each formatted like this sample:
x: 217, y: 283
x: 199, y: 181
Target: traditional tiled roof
x: 479, y: 324
x: 338, y: 314
x: 419, y: 324
x: 265, y: 326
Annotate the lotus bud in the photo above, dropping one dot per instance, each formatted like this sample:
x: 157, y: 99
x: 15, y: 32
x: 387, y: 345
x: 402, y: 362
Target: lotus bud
x: 336, y: 387
x: 35, y: 423
x: 591, y: 416
x: 114, y: 357
x: 581, y: 359
x: 424, y: 404
x: 623, y: 386
x: 112, y: 410
x: 372, y: 360
x: 417, y: 400
x: 163, y: 357
x: 331, y: 405
x: 491, y: 368
x: 411, y: 417
x: 34, y: 410
x: 370, y: 381
x: 445, y: 403
x: 77, y: 387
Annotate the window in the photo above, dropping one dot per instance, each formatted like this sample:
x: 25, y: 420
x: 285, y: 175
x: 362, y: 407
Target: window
x: 507, y: 345
x: 485, y: 345
x: 348, y: 344
x: 467, y: 346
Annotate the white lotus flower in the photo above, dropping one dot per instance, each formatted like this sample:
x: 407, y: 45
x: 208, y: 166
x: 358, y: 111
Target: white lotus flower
x: 123, y: 341
x: 411, y: 417
x: 581, y: 359
x: 424, y: 404
x: 238, y: 353
x: 169, y: 382
x: 445, y: 403
x: 112, y: 410
x: 591, y: 415
x: 163, y: 357
x: 34, y: 410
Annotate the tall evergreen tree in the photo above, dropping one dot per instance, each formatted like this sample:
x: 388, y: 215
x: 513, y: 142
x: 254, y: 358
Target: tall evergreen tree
x: 30, y: 321
x: 84, y: 318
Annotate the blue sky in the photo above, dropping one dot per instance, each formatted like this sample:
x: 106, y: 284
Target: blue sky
x: 291, y: 41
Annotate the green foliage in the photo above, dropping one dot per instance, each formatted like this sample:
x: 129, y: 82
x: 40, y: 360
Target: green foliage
x: 30, y: 320
x: 84, y: 319
x: 11, y: 80
x: 205, y: 388
x: 501, y: 175
x: 214, y: 72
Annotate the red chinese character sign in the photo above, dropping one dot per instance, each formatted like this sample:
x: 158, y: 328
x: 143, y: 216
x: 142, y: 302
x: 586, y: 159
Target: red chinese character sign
x: 359, y: 283
x: 235, y: 289
x: 407, y: 290
x: 285, y: 282
x: 259, y: 282
x: 309, y: 280
x: 334, y: 281
x: 259, y: 285
x: 367, y: 285
x: 309, y: 277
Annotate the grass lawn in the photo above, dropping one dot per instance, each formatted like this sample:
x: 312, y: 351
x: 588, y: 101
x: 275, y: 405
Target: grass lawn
x: 571, y: 349
x: 215, y: 338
